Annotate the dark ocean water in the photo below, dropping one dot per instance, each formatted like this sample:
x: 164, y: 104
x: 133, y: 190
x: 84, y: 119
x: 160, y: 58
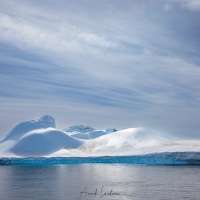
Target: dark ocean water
x: 99, y: 181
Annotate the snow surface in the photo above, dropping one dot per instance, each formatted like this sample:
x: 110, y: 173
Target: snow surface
x: 129, y: 138
x: 44, y: 142
x: 39, y: 137
x: 24, y: 127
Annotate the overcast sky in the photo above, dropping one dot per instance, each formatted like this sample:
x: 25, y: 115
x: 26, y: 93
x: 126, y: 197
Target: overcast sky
x: 118, y: 63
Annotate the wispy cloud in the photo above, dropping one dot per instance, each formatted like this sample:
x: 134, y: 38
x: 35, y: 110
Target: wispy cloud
x: 129, y: 63
x: 193, y: 5
x: 66, y: 39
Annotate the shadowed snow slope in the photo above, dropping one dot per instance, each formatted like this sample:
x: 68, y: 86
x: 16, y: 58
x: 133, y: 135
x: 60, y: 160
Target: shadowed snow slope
x: 133, y: 138
x: 44, y: 142
x: 45, y: 121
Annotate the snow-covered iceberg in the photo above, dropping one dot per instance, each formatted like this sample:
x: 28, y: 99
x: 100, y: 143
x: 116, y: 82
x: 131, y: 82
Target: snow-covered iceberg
x: 38, y: 141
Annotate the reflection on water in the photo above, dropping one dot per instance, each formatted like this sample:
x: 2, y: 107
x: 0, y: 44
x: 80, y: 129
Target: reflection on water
x: 92, y: 181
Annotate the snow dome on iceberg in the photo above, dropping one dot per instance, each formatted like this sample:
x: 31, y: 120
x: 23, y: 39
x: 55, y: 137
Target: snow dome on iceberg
x: 132, y: 138
x: 18, y: 131
x: 44, y: 142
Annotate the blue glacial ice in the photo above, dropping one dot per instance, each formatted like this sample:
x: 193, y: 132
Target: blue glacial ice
x: 165, y: 158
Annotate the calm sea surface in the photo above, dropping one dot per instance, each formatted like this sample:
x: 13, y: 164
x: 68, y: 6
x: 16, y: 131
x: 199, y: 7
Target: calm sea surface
x: 99, y: 181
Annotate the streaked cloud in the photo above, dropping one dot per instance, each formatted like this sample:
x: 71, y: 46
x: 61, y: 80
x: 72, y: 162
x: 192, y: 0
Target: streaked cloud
x: 129, y: 63
x: 193, y: 5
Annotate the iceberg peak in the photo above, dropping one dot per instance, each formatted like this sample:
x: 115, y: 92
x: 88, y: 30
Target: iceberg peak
x: 22, y: 128
x: 46, y: 120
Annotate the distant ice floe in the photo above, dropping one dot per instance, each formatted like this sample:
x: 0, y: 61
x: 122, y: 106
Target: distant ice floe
x: 39, y: 137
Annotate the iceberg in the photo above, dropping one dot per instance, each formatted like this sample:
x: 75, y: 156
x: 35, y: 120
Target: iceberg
x: 39, y: 142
